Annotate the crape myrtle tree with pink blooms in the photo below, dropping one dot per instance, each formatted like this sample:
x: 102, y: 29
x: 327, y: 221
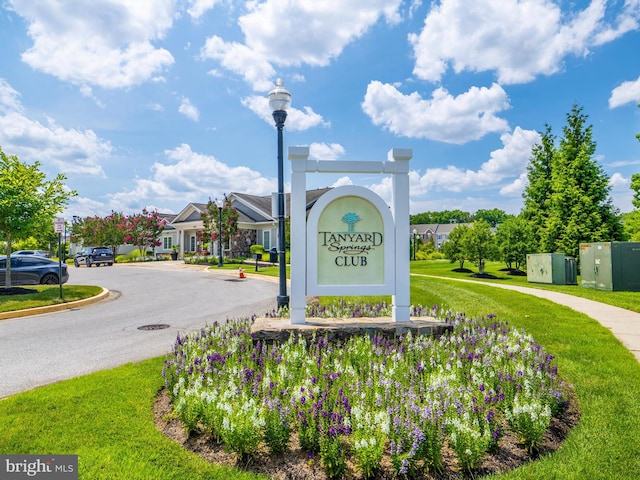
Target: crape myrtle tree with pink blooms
x: 211, y: 220
x: 97, y: 230
x: 143, y: 230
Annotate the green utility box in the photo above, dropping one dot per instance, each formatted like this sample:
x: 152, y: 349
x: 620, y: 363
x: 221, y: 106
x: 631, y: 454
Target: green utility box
x: 613, y: 266
x: 554, y: 268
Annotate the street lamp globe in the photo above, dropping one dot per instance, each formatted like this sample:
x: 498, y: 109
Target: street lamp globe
x: 279, y: 97
x: 415, y: 233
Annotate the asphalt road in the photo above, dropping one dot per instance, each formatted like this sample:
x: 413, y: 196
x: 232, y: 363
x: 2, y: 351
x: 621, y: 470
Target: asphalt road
x: 42, y: 349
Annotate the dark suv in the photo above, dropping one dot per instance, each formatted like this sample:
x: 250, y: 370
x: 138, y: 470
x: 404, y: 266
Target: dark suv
x: 94, y: 256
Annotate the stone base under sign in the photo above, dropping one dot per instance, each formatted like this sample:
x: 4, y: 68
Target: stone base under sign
x: 280, y: 329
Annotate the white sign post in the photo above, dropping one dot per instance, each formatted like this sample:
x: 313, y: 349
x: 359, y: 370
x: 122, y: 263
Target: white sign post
x: 353, y: 243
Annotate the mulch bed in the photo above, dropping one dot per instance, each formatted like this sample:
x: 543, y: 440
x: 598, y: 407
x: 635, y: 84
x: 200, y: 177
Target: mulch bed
x: 298, y: 465
x: 16, y: 291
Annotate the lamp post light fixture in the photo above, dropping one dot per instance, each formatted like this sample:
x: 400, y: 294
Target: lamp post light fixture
x: 219, y: 204
x: 415, y: 238
x: 279, y: 102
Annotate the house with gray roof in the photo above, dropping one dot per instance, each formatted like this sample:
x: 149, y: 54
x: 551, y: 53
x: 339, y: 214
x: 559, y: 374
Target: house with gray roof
x: 257, y: 224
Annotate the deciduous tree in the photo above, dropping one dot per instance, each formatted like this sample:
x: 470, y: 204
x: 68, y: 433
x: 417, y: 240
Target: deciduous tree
x: 514, y: 240
x: 635, y: 186
x: 453, y: 248
x: 446, y: 216
x: 478, y: 244
x: 28, y: 202
x: 493, y: 217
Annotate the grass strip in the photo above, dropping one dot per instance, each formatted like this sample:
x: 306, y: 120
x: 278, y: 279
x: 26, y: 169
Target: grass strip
x: 444, y: 268
x: 106, y: 419
x: 47, y: 295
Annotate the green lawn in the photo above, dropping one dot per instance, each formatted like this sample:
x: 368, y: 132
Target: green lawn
x: 46, y: 295
x: 628, y: 300
x: 106, y: 417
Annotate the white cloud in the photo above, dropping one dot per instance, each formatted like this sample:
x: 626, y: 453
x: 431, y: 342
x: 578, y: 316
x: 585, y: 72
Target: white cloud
x: 518, y: 39
x: 285, y: 33
x: 242, y: 60
x: 445, y: 118
x: 9, y: 98
x: 198, y: 8
x: 328, y: 27
x: 188, y: 176
x: 626, y: 92
x: 297, y: 120
x: 342, y: 181
x: 507, y: 162
x: 87, y: 91
x: 325, y: 151
x: 618, y: 182
x: 621, y: 193
x: 98, y: 42
x: 623, y: 163
x: 627, y: 20
x: 516, y: 187
x: 86, y: 207
x: 188, y: 110
x: 72, y: 151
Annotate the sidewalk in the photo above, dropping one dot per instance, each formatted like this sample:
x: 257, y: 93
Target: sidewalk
x: 624, y: 324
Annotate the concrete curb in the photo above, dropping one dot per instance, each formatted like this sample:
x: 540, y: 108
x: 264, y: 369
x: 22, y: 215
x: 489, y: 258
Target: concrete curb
x: 55, y: 308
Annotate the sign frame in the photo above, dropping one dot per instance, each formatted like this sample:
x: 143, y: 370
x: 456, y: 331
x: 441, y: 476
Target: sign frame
x: 396, y: 166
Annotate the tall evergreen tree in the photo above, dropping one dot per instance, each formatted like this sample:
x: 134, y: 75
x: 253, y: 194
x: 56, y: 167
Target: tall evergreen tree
x: 537, y: 194
x: 568, y: 193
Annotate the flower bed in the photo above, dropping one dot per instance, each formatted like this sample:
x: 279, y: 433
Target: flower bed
x: 367, y: 400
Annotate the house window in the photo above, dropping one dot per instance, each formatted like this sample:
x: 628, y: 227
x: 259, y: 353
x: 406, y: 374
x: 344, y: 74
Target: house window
x: 192, y: 243
x: 166, y: 243
x: 266, y: 239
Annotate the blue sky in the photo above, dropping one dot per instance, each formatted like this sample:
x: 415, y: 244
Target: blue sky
x: 157, y: 103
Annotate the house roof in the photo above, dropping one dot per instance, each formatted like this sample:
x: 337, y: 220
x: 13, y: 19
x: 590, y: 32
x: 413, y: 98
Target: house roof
x: 258, y: 208
x: 252, y: 209
x: 436, y: 228
x: 190, y: 213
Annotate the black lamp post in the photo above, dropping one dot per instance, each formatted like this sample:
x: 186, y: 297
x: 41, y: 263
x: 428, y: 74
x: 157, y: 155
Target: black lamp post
x: 279, y: 101
x: 219, y: 204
